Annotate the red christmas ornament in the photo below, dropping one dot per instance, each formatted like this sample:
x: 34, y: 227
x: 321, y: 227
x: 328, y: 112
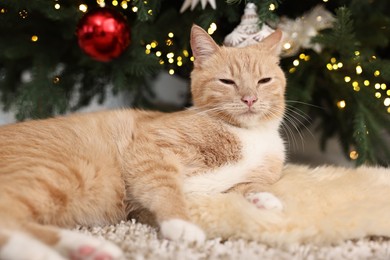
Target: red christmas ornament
x: 103, y: 34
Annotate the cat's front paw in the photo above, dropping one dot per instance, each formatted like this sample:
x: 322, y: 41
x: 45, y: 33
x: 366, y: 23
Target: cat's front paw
x: 181, y: 230
x: 265, y: 200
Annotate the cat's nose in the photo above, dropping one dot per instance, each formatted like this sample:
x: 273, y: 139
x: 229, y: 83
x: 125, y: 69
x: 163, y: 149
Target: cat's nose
x: 249, y: 100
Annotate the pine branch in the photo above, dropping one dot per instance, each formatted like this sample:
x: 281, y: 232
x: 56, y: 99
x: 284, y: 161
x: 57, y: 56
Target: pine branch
x: 342, y: 33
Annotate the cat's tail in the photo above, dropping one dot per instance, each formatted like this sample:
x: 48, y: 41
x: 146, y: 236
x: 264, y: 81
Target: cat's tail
x: 24, y: 241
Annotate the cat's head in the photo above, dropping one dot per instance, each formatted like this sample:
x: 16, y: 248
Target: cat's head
x: 243, y: 86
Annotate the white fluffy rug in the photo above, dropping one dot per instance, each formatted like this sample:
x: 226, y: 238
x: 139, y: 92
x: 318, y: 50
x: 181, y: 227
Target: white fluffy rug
x: 140, y: 241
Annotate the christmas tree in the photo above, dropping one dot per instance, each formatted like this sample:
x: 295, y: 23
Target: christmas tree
x: 336, y: 58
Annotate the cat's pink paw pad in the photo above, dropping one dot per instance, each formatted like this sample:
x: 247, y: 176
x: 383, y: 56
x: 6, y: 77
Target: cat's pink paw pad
x: 79, y: 247
x: 89, y: 252
x: 82, y: 253
x: 86, y: 250
x: 265, y: 200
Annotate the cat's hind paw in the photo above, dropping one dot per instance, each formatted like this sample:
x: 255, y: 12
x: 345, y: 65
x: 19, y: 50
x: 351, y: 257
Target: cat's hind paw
x: 265, y: 200
x: 79, y: 246
x: 181, y: 230
x: 24, y: 247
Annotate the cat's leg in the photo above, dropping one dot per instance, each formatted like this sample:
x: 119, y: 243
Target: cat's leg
x: 155, y: 183
x: 15, y: 244
x: 164, y: 197
x: 255, y: 189
x: 50, y: 243
x: 74, y: 245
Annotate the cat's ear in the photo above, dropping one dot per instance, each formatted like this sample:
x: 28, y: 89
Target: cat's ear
x: 202, y: 45
x: 274, y: 42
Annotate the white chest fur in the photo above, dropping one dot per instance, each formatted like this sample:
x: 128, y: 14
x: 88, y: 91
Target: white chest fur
x: 256, y: 145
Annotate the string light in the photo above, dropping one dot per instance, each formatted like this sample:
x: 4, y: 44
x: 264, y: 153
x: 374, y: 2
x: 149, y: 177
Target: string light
x: 353, y: 155
x: 304, y: 57
x: 272, y: 7
x: 56, y: 80
x: 212, y: 28
x: 57, y: 6
x: 134, y: 9
x: 34, y: 38
x: 124, y: 5
x: 171, y: 35
x: 114, y: 2
x: 169, y: 42
x: 386, y: 102
x: 359, y: 70
x: 296, y: 62
x: 83, y: 8
x: 287, y: 46
x: 101, y: 3
x: 355, y: 86
x: 154, y: 44
x: 171, y: 71
x: 23, y: 14
x: 341, y: 104
x: 335, y: 65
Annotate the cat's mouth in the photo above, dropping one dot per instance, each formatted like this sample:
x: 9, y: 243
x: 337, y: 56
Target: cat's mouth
x: 249, y: 112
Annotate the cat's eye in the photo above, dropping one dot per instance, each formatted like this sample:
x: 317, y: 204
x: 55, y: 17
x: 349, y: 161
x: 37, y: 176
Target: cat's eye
x: 227, y: 81
x: 264, y: 80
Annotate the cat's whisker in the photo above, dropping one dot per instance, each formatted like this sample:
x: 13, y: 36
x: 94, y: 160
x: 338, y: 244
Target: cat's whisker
x: 291, y: 139
x: 290, y: 121
x: 297, y: 116
x: 298, y: 112
x: 303, y: 103
x: 287, y: 129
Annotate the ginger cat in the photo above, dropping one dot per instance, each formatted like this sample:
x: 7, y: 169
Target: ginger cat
x: 98, y: 168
